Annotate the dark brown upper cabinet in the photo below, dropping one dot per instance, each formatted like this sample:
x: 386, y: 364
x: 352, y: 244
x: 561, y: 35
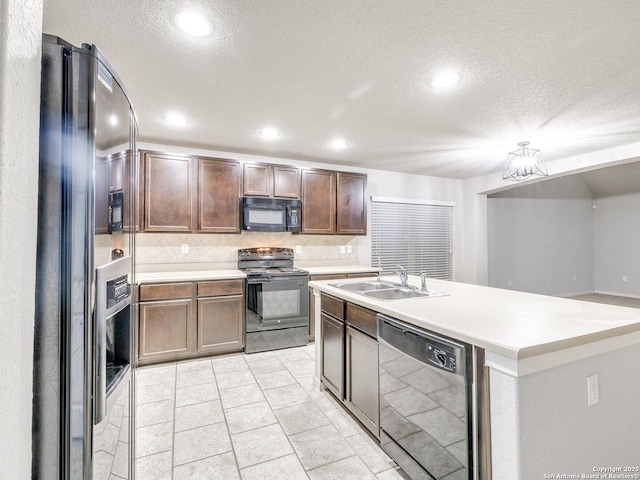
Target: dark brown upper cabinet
x: 351, y: 212
x: 258, y: 181
x: 286, y: 181
x: 168, y: 192
x: 218, y: 195
x: 133, y: 181
x: 334, y: 202
x: 265, y: 180
x: 318, y: 202
x: 191, y: 194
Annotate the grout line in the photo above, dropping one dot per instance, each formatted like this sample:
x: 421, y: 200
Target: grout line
x: 226, y: 423
x: 173, y: 436
x: 297, y: 382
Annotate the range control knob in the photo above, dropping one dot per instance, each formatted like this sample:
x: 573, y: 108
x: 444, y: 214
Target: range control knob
x: 441, y: 358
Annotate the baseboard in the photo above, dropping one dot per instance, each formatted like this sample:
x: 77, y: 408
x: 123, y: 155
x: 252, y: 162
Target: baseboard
x: 575, y: 294
x: 628, y: 295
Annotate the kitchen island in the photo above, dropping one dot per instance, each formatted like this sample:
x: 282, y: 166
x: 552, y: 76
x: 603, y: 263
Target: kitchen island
x: 539, y: 351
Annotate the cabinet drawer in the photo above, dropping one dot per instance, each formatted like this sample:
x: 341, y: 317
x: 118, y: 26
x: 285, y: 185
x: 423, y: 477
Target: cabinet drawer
x: 362, y: 318
x: 220, y: 287
x: 164, y: 291
x: 332, y: 306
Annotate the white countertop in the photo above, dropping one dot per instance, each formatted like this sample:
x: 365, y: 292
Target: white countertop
x: 170, y: 275
x: 513, y: 324
x: 188, y: 276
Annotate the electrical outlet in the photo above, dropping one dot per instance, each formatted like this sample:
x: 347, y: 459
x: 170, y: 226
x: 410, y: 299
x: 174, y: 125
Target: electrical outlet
x: 298, y: 249
x: 575, y: 277
x: 624, y: 278
x: 185, y: 248
x: 509, y: 283
x: 348, y: 248
x: 593, y: 391
x: 343, y: 249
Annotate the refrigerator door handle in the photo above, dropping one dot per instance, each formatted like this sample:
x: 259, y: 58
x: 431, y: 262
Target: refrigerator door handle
x: 100, y: 335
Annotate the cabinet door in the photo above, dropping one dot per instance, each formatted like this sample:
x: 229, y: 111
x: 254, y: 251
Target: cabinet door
x: 318, y: 202
x: 286, y: 181
x: 257, y: 180
x: 361, y: 395
x: 165, y: 330
x: 218, y: 196
x: 168, y: 193
x: 351, y: 204
x: 312, y: 301
x: 332, y: 333
x: 220, y: 323
x: 133, y: 186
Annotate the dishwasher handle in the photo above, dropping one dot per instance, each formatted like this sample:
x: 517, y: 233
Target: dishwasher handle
x: 432, y: 349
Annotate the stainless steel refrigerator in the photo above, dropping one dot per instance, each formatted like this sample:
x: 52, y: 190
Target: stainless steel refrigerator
x: 83, y: 361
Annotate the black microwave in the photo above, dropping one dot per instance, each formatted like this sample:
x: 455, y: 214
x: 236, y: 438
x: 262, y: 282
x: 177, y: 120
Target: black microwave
x: 270, y: 214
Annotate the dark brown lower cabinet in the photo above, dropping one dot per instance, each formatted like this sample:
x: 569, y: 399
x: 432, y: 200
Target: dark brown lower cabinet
x: 312, y: 299
x: 220, y: 323
x: 362, y: 392
x: 190, y: 319
x: 165, y: 330
x: 350, y: 358
x: 332, y: 354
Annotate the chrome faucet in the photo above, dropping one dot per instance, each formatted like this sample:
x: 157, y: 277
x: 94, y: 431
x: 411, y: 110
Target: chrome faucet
x: 423, y: 279
x: 402, y: 274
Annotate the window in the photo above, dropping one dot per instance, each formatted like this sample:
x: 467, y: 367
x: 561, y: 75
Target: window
x: 413, y: 233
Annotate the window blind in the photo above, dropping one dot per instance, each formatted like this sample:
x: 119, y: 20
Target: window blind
x: 418, y: 236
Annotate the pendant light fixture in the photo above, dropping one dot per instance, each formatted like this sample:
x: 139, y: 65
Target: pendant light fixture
x: 524, y: 163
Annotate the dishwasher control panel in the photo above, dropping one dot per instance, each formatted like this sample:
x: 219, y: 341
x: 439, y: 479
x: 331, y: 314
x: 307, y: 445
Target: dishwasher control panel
x: 445, y: 357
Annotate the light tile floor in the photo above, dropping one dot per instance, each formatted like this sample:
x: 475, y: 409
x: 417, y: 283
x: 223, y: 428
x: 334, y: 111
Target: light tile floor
x: 249, y: 417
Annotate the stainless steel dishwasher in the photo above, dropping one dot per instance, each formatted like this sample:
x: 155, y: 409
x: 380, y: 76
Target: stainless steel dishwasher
x: 425, y: 401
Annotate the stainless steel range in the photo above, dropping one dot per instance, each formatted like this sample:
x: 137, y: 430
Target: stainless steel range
x: 277, y: 306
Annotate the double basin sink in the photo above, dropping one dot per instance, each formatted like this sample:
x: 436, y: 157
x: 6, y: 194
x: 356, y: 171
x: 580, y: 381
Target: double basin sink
x: 383, y: 290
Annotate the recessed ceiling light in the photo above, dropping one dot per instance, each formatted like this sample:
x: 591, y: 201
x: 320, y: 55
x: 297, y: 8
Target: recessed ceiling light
x: 445, y: 79
x: 113, y: 120
x: 338, y: 143
x: 193, y: 24
x: 175, y: 119
x: 269, y: 133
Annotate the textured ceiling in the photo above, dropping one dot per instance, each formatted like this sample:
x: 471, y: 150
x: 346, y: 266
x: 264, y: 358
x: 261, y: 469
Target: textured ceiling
x: 564, y: 75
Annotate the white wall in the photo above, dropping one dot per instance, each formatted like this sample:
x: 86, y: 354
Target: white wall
x: 617, y: 244
x: 474, y: 255
x: 20, y: 53
x: 554, y: 430
x: 540, y: 237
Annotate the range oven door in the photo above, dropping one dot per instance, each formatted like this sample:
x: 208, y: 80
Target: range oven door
x: 278, y: 302
x: 277, y: 313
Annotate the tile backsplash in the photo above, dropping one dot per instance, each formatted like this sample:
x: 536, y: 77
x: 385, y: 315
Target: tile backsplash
x: 156, y: 248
